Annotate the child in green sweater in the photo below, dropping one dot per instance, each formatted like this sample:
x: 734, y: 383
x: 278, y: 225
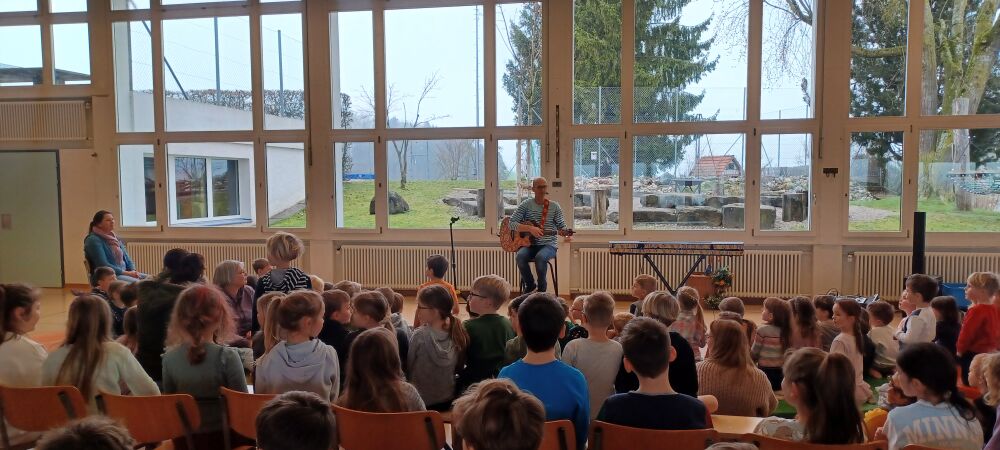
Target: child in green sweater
x: 488, y: 333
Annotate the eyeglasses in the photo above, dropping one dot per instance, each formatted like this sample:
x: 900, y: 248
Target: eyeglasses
x: 473, y: 294
x: 423, y: 307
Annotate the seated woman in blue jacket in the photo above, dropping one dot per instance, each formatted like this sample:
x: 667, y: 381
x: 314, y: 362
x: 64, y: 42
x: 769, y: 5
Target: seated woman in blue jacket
x: 102, y: 248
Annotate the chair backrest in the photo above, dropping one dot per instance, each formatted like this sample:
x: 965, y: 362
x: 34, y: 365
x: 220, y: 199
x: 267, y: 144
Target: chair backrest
x: 608, y: 436
x: 558, y: 435
x: 39, y: 408
x: 421, y: 430
x: 155, y: 418
x: 770, y: 443
x: 240, y: 412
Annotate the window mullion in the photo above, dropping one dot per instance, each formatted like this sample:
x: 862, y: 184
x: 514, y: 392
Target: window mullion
x: 494, y: 208
x: 381, y: 113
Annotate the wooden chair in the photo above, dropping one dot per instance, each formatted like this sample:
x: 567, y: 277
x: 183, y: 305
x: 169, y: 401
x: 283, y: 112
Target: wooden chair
x: 38, y: 409
x: 422, y: 430
x: 770, y: 443
x: 558, y: 435
x: 239, y: 414
x: 155, y: 418
x: 920, y: 447
x: 604, y: 435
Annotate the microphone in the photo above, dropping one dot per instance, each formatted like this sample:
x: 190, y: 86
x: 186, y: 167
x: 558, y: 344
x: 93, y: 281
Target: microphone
x: 454, y: 219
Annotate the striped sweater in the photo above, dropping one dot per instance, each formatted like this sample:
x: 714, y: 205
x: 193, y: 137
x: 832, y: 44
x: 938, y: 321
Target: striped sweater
x: 767, y: 349
x: 528, y: 210
x: 292, y: 279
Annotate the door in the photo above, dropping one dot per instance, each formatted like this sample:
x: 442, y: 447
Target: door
x: 30, y: 235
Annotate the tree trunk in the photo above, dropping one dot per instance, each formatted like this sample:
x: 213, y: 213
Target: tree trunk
x: 960, y: 155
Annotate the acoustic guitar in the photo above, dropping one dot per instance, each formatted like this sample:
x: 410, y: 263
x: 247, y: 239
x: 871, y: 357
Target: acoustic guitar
x: 511, y: 240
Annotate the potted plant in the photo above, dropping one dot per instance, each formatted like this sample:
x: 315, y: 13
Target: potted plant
x: 722, y: 280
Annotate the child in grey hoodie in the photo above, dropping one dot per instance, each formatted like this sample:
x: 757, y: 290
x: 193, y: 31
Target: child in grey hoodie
x: 300, y: 362
x: 436, y: 348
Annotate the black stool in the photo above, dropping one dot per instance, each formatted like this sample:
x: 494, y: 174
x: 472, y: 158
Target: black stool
x: 553, y: 267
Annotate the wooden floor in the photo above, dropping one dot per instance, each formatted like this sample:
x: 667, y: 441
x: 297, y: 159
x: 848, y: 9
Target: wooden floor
x: 55, y: 305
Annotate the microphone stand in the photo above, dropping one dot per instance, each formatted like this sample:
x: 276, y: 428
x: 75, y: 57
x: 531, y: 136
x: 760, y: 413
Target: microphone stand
x: 451, y: 233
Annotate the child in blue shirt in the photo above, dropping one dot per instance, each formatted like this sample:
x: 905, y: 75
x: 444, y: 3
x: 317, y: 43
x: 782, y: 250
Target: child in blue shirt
x: 655, y: 405
x: 561, y: 388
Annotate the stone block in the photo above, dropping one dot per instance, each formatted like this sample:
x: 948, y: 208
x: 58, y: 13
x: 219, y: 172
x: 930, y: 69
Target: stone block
x: 702, y: 215
x: 771, y: 200
x: 657, y: 215
x: 794, y: 206
x: 768, y: 214
x: 733, y: 216
x: 581, y: 199
x: 582, y: 212
x: 650, y: 200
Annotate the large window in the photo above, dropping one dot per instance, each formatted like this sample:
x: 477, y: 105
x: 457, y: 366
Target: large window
x: 518, y: 163
x: 878, y: 58
x: 137, y: 184
x: 286, y: 185
x: 133, y: 76
x: 284, y: 81
x: 210, y: 183
x: 18, y: 5
x: 354, y: 184
x: 876, y: 181
x: 700, y: 186
x: 436, y: 80
x: 58, y: 6
x: 786, y: 182
x: 206, y: 70
x: 352, y: 55
x: 433, y: 180
x: 596, y: 181
x: 21, y: 64
x: 788, y: 86
x: 961, y: 68
x: 681, y: 73
x: 71, y: 53
x: 959, y: 181
x: 597, y: 53
x: 519, y: 63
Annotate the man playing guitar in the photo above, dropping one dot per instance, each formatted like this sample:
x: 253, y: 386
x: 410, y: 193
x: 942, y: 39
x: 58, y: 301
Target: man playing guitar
x: 543, y: 220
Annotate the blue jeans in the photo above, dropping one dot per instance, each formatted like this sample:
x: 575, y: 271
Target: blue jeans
x: 540, y: 255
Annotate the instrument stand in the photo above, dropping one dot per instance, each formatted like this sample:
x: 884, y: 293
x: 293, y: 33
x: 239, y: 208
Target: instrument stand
x: 663, y: 279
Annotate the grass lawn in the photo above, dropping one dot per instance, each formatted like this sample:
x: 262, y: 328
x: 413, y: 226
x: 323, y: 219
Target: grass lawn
x: 424, y: 198
x: 941, y: 217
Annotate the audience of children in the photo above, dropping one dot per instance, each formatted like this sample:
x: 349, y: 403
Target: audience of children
x: 370, y: 309
x: 261, y: 342
x: 663, y: 307
x: 655, y: 404
x: 437, y: 347
x: 880, y: 315
x: 299, y: 362
x: 20, y: 310
x: 90, y: 360
x: 948, y: 321
x: 515, y: 348
x: 375, y: 380
x: 488, y: 333
x: 921, y: 324
x: 733, y: 308
x: 561, y: 389
x: 847, y: 315
x: 941, y: 417
x: 435, y: 270
x: 618, y: 323
x: 729, y: 374
x: 570, y: 329
x: 574, y: 325
x: 980, y: 332
x: 231, y: 277
x: 772, y: 339
x: 596, y: 356
x: 130, y: 339
x: 496, y: 415
x: 104, y: 282
x: 153, y: 313
x: 820, y: 386
x: 395, y: 300
x: 805, y: 328
x: 824, y: 315
x: 296, y: 420
x: 642, y: 286
x: 690, y: 321
x: 282, y: 248
x: 197, y: 363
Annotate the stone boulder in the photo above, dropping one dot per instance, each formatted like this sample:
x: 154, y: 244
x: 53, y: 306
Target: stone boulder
x: 768, y: 214
x: 733, y: 216
x: 701, y: 215
x: 581, y: 212
x: 613, y: 216
x: 794, y: 206
x: 581, y: 199
x: 771, y: 200
x: 650, y: 200
x: 717, y: 201
x: 397, y: 204
x: 654, y: 216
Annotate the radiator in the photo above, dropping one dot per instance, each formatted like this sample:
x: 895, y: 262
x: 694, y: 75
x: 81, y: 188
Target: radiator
x: 44, y: 121
x: 402, y: 267
x: 883, y: 272
x: 148, y: 256
x: 755, y: 274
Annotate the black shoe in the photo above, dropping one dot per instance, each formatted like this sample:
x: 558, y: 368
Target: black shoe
x: 529, y: 290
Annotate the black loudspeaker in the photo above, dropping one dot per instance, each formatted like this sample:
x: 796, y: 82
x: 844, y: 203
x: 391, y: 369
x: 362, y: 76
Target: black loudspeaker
x: 919, y: 237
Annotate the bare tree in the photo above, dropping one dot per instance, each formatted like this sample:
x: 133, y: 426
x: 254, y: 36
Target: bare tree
x: 402, y: 147
x: 455, y: 158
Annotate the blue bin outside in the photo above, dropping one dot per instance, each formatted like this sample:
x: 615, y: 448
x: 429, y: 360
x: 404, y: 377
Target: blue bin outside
x: 956, y: 290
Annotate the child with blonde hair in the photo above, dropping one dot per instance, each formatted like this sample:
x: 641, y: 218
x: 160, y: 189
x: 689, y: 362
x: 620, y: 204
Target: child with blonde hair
x: 488, y: 333
x: 299, y: 362
x: 991, y: 396
x: 437, y: 347
x: 596, y: 356
x: 617, y: 323
x: 642, y: 286
x: 90, y: 360
x: 980, y: 331
x: 282, y: 249
x: 690, y: 321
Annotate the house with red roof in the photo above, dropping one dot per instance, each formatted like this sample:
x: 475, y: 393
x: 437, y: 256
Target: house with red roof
x: 717, y: 167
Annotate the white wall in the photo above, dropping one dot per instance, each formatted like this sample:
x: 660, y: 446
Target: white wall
x: 286, y: 182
